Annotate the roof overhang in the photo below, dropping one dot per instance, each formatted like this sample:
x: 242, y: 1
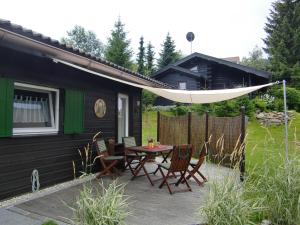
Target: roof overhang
x: 47, y: 50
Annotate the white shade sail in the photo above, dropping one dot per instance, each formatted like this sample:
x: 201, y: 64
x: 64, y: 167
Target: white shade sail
x: 205, y: 96
x: 183, y: 96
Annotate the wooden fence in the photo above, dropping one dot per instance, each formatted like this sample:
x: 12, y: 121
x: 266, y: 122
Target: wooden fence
x: 224, y: 135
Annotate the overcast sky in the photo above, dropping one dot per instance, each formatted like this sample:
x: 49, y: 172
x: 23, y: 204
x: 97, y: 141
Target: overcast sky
x: 222, y: 28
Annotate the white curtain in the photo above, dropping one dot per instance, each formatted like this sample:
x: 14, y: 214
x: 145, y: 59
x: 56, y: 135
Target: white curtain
x: 33, y: 110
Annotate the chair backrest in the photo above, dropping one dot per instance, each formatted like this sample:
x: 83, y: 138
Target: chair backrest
x: 203, y: 153
x: 101, y: 146
x: 111, y: 143
x: 181, y: 157
x: 129, y: 142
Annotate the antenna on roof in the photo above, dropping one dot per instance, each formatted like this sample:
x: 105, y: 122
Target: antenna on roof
x: 190, y: 36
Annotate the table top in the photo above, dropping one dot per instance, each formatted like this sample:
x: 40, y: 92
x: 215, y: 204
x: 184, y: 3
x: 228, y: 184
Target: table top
x: 146, y: 149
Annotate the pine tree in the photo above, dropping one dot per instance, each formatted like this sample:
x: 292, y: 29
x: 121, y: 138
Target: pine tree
x: 150, y: 59
x: 283, y: 40
x: 168, y: 53
x: 84, y: 40
x: 118, y: 48
x: 141, y: 57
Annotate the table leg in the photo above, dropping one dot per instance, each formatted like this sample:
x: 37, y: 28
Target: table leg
x: 164, y: 160
x: 142, y: 166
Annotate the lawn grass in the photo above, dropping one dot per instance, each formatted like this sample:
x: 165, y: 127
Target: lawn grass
x: 262, y: 144
x: 268, y: 144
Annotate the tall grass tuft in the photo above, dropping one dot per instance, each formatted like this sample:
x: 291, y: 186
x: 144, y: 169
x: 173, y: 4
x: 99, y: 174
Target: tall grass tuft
x: 280, y: 191
x: 101, y: 206
x: 226, y: 204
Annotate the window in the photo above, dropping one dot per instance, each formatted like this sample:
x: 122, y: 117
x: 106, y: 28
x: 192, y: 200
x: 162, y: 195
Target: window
x: 35, y: 110
x: 194, y: 69
x: 182, y: 85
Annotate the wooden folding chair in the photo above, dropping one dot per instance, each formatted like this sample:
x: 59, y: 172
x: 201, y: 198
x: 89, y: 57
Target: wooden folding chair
x: 181, y: 156
x: 107, y: 161
x: 131, y: 157
x: 196, y: 166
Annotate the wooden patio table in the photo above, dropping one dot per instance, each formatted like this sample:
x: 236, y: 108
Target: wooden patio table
x: 156, y: 150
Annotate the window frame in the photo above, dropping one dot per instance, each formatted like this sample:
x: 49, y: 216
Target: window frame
x: 179, y: 82
x: 54, y: 114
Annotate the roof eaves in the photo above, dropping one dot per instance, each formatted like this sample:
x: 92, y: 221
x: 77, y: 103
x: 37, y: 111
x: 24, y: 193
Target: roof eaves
x: 225, y: 62
x: 6, y: 24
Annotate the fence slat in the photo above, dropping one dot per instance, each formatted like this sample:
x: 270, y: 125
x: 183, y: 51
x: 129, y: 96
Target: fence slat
x: 224, y: 134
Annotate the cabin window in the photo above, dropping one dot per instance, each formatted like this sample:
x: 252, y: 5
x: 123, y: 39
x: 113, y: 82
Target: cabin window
x: 182, y: 85
x: 35, y: 110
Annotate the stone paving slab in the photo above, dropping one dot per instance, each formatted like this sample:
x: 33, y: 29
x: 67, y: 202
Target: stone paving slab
x: 8, y: 217
x: 149, y: 204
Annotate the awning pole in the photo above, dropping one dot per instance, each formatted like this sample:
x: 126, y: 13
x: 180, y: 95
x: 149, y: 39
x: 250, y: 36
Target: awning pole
x: 286, y: 123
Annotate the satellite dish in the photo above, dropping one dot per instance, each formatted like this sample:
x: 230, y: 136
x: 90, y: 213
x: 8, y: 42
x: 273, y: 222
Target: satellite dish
x: 190, y: 36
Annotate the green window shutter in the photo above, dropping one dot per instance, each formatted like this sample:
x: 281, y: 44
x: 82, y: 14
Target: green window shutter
x: 74, y: 112
x: 6, y: 107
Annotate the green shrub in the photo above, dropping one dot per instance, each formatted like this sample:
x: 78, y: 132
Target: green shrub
x: 180, y: 110
x: 292, y: 95
x: 278, y: 105
x: 226, y: 108
x: 148, y: 99
x: 248, y: 104
x: 107, y: 206
x: 260, y: 104
x: 226, y: 204
x: 201, y: 109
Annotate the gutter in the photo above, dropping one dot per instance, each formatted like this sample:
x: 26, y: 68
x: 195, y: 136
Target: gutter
x: 54, y: 52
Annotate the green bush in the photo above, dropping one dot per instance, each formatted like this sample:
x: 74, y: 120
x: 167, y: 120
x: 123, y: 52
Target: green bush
x: 260, y: 104
x: 148, y: 99
x: 248, y: 104
x: 201, y: 109
x: 278, y: 105
x: 101, y: 206
x: 292, y: 95
x: 226, y: 108
x: 180, y: 110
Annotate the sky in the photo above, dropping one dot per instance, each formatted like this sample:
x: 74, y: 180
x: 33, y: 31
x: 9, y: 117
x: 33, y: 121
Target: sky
x: 222, y: 28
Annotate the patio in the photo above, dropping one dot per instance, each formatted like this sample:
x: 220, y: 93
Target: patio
x: 150, y: 205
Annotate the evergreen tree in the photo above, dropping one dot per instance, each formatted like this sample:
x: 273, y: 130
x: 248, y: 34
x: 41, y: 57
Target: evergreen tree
x: 283, y: 40
x: 168, y: 53
x: 141, y: 57
x: 150, y: 59
x: 84, y: 40
x: 256, y: 59
x: 118, y: 48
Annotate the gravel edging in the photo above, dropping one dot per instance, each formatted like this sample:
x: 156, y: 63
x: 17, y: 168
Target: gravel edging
x: 46, y: 191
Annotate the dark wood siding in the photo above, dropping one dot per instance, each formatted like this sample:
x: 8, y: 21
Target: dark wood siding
x: 217, y: 77
x: 176, y: 77
x: 225, y: 77
x: 52, y: 155
x: 173, y: 79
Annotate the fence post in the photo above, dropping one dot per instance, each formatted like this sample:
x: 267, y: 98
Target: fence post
x: 189, y: 127
x: 243, y: 130
x: 206, y: 132
x: 158, y: 126
x: 206, y: 126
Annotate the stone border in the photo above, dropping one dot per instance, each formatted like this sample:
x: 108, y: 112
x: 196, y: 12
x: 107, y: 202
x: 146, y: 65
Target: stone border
x: 46, y: 191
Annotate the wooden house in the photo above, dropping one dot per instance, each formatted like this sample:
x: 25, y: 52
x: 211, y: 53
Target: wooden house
x: 48, y: 109
x: 202, y: 72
